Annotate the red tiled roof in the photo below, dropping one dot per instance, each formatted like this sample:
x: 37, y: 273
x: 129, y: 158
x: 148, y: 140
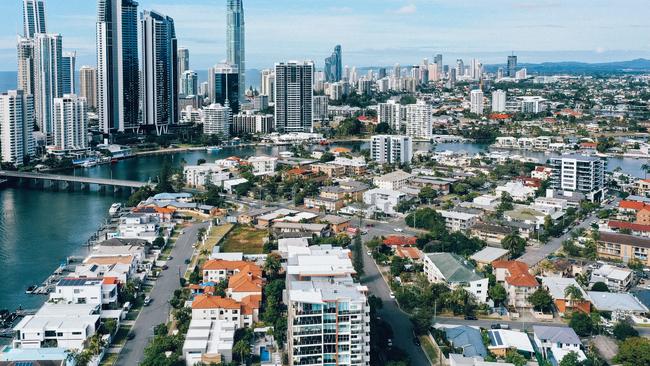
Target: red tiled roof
x: 615, y: 224
x: 245, y: 282
x: 519, y: 275
x: 251, y: 303
x: 110, y: 281
x: 631, y: 205
x: 398, y: 240
x: 242, y: 266
x: 408, y: 252
x: 214, y: 302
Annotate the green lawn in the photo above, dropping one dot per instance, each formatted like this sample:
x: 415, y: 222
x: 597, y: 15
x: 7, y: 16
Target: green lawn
x: 109, y: 359
x: 120, y: 336
x: 245, y: 239
x: 428, y: 348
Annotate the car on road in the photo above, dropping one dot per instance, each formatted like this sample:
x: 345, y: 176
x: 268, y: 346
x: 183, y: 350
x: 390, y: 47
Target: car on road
x: 369, y: 254
x: 170, y: 258
x: 130, y: 336
x: 188, y: 261
x: 470, y: 317
x: 392, y: 295
x: 398, y: 230
x: 416, y: 341
x: 147, y: 301
x: 500, y: 326
x: 370, y: 225
x: 164, y: 267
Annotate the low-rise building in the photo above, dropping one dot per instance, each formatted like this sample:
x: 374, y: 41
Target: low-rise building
x: 620, y: 305
x: 557, y: 286
x: 517, y: 280
x: 517, y: 190
x: 623, y: 247
x: 285, y: 229
x: 556, y: 342
x: 198, y: 176
x: 209, y: 341
x: 451, y: 269
x: 617, y: 279
x: 458, y: 221
x: 92, y: 291
x: 488, y: 255
x: 218, y: 270
x: 263, y: 165
x: 490, y: 233
x: 502, y: 341
x: 383, y: 200
x: 393, y: 181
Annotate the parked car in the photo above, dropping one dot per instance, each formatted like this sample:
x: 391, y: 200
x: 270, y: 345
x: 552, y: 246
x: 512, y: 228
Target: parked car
x: 398, y: 230
x: 130, y: 336
x: 147, y: 301
x: 470, y: 317
x: 416, y: 341
x: 164, y: 267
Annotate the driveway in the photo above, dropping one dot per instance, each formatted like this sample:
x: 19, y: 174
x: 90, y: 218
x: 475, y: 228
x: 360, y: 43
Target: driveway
x: 158, y: 312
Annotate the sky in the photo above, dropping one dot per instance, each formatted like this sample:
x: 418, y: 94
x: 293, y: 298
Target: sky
x: 373, y: 32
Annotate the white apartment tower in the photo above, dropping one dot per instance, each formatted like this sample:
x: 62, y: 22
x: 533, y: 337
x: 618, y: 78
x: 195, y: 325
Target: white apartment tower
x: 268, y: 84
x: 88, y: 85
x: 476, y: 101
x: 216, y: 120
x: 70, y: 123
x: 16, y: 126
x: 391, y: 149
x: 419, y: 120
x: 294, y: 95
x: 389, y: 113
x: 577, y: 173
x: 499, y: 101
x: 47, y: 79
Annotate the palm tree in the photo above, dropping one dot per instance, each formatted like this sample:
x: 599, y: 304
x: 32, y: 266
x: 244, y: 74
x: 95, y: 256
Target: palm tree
x: 573, y: 293
x: 646, y: 169
x: 95, y: 344
x: 243, y: 349
x: 78, y: 358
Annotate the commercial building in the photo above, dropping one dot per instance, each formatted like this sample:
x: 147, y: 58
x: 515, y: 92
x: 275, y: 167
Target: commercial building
x: 223, y: 86
x: 294, y: 96
x: 391, y: 149
x: 16, y: 126
x: 581, y: 174
x: 456, y: 272
x: 236, y: 42
x: 118, y: 75
x: 70, y: 123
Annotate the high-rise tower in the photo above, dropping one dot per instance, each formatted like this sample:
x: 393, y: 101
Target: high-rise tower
x: 33, y: 17
x: 118, y: 79
x: 294, y: 95
x: 236, y: 41
x: 334, y: 66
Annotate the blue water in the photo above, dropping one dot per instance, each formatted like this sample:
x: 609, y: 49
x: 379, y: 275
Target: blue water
x: 265, y: 355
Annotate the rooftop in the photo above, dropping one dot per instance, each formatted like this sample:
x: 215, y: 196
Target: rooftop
x: 624, y: 239
x: 453, y: 267
x: 609, y: 301
x: 556, y: 334
x: 489, y: 254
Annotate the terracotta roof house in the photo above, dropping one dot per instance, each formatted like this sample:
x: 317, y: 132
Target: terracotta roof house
x: 517, y: 280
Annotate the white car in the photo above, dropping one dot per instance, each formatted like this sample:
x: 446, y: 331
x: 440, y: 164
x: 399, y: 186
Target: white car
x: 398, y: 230
x: 392, y: 295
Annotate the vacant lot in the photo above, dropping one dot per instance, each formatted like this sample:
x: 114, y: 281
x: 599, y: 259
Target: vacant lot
x: 245, y: 239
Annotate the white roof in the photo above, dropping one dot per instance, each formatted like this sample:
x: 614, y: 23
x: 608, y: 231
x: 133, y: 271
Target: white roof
x: 488, y: 254
x: 457, y: 215
x: 501, y: 338
x: 557, y: 285
x: 394, y: 176
x: 612, y: 272
x: 608, y: 301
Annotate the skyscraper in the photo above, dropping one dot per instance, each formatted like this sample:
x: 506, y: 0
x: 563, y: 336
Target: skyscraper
x: 16, y: 126
x: 512, y: 66
x: 159, y: 71
x: 88, y: 85
x: 294, y: 96
x: 419, y: 120
x: 216, y: 120
x: 25, y: 48
x: 224, y: 86
x: 69, y: 123
x: 189, y: 83
x: 33, y: 17
x: 183, y: 60
x: 236, y: 41
x: 47, y: 79
x: 68, y: 61
x: 476, y: 101
x: 334, y: 66
x: 438, y: 61
x: 498, y: 101
x: 118, y: 79
x: 268, y: 84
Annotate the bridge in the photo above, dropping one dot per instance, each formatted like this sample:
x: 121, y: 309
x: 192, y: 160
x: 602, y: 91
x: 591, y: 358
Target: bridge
x: 69, y: 180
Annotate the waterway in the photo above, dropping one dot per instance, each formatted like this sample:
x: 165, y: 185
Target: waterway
x: 39, y: 229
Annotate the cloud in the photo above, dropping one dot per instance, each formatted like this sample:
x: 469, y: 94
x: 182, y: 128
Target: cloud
x: 407, y: 9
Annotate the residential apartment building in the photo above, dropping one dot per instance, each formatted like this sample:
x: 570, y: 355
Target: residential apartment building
x: 198, y: 176
x: 293, y: 96
x: 476, y: 101
x: 383, y: 200
x: 263, y: 165
x: 419, y: 120
x: 394, y: 181
x: 623, y: 247
x: 16, y: 126
x: 517, y: 280
x: 70, y: 123
x: 216, y: 120
x: 458, y: 221
x: 581, y: 174
x: 455, y: 271
x: 617, y: 279
x: 248, y: 122
x: 391, y: 149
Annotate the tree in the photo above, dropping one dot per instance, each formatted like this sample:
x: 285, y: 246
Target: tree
x: 634, y: 351
x: 357, y: 254
x: 541, y: 300
x: 516, y: 358
x: 327, y: 157
x: 581, y: 324
x: 427, y: 194
x: 272, y: 266
x: 498, y: 294
x: 109, y: 326
x: 160, y: 329
x: 78, y: 358
x: 242, y: 349
x: 623, y: 331
x: 396, y: 266
x: 382, y: 127
x: 573, y: 293
x: 600, y: 287
x: 571, y: 359
x: 515, y: 244
x: 421, y: 321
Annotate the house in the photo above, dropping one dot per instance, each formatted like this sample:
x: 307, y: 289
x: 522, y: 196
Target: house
x: 209, y: 341
x: 488, y: 255
x: 490, y: 233
x: 467, y: 338
x: 526, y: 215
x: 455, y: 271
x: 400, y: 240
x: 556, y: 342
x: 621, y: 305
x: 338, y: 223
x: 623, y: 247
x: 291, y: 229
x: 218, y: 270
x: 502, y: 341
x: 411, y: 253
x: 633, y: 228
x: 250, y: 217
x: 57, y: 325
x: 458, y: 221
x: 394, y: 180
x: 243, y: 313
x: 486, y: 202
x: 617, y: 279
x: 285, y: 243
x: 556, y: 286
x: 244, y: 284
x: 93, y: 291
x: 517, y: 280
x: 517, y: 190
x: 384, y: 200
x: 541, y: 172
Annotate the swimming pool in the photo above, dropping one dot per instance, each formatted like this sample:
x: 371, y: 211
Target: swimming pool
x: 265, y: 355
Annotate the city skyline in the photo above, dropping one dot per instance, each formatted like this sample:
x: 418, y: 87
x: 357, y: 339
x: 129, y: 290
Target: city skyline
x: 371, y: 33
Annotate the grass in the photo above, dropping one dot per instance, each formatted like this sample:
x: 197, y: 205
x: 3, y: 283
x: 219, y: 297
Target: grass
x: 428, y: 348
x: 246, y: 240
x: 120, y: 336
x: 132, y: 315
x: 109, y: 360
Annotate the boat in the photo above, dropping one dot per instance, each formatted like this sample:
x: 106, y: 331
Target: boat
x: 115, y: 208
x: 31, y: 289
x: 85, y: 163
x: 114, y: 161
x: 324, y: 142
x: 213, y: 149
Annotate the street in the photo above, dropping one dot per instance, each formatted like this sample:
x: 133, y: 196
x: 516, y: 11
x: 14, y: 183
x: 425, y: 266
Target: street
x: 391, y: 313
x: 158, y: 311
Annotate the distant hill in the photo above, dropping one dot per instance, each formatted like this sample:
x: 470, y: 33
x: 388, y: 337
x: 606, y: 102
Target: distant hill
x: 583, y: 68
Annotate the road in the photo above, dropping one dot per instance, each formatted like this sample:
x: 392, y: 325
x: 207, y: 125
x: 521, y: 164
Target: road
x: 537, y: 254
x: 158, y: 311
x: 390, y: 312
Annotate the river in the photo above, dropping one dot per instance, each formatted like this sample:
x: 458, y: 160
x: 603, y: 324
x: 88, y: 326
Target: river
x: 39, y: 229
